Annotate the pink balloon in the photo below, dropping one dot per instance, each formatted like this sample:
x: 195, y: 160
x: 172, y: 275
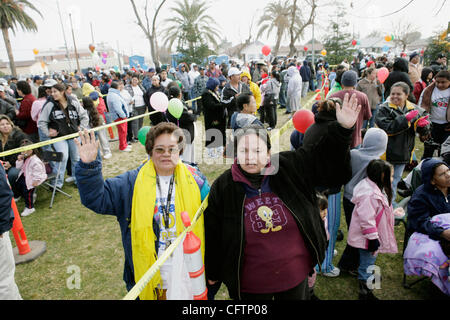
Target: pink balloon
x: 105, y: 55
x: 159, y: 101
x: 382, y: 74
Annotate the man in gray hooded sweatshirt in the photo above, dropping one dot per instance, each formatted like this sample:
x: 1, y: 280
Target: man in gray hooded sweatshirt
x: 373, y: 147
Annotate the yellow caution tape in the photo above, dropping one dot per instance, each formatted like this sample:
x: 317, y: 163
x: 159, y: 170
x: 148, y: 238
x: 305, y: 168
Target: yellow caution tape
x: 76, y: 134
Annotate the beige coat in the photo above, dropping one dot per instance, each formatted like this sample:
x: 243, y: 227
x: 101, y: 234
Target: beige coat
x: 415, y: 72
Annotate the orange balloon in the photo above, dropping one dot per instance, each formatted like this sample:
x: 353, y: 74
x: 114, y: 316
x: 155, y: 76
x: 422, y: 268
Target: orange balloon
x: 388, y: 38
x: 43, y: 65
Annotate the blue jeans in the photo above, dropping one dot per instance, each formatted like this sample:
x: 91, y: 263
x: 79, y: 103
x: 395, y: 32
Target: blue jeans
x: 371, y: 121
x: 312, y: 85
x: 67, y: 147
x: 13, y: 174
x: 194, y: 104
x: 398, y: 171
x: 366, y: 259
x: 282, y: 96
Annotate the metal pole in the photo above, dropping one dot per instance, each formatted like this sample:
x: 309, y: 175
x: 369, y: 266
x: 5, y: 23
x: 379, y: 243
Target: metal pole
x: 64, y: 35
x: 74, y: 44
x: 92, y: 35
x: 118, y: 54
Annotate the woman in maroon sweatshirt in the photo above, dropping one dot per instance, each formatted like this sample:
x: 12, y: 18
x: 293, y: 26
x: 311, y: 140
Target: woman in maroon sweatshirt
x: 263, y: 230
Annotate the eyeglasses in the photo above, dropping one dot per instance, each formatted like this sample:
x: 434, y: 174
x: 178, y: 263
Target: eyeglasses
x: 161, y: 150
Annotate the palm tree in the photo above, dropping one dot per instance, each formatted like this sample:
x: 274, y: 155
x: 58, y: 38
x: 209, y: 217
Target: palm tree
x: 12, y: 15
x: 276, y: 15
x: 191, y: 25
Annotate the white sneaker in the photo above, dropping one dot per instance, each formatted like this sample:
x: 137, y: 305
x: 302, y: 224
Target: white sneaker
x: 70, y: 179
x: 126, y: 150
x: 333, y: 273
x: 27, y: 212
x: 335, y: 253
x: 107, y: 156
x: 129, y: 147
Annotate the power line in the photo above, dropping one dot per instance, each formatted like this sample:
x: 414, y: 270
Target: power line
x: 386, y: 15
x: 443, y: 3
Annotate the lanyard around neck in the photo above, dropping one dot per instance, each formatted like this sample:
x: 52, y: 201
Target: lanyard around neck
x: 166, y: 207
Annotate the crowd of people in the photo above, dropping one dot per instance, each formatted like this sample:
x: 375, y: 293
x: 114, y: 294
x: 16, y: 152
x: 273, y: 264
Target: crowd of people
x: 362, y: 140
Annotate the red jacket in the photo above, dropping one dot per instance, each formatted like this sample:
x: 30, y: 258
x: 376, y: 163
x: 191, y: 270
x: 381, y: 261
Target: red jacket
x: 25, y: 114
x: 419, y: 86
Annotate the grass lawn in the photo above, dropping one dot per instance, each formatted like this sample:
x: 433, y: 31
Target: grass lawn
x: 75, y: 236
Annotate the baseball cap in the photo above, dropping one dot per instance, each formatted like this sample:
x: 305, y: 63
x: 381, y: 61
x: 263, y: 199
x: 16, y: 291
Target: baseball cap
x: 233, y: 71
x: 94, y: 95
x: 441, y: 55
x: 151, y: 70
x: 35, y: 78
x: 50, y: 83
x: 412, y: 55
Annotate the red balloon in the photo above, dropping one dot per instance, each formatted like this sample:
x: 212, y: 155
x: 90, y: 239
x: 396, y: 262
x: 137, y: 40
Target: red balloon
x: 354, y: 42
x: 302, y: 120
x: 305, y: 48
x: 382, y: 74
x: 266, y: 50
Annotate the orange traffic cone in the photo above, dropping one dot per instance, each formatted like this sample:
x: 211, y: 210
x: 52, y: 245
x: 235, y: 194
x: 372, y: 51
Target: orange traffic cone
x: 19, y: 232
x: 194, y: 261
x: 25, y: 251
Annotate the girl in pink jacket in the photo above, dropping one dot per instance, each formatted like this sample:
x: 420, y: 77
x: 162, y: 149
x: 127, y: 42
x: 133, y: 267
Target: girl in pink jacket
x: 372, y: 224
x: 32, y: 173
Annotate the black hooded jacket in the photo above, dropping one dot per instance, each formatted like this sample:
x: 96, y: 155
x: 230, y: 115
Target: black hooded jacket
x: 297, y: 173
x: 400, y: 73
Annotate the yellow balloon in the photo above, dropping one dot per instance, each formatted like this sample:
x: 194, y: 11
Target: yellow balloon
x: 323, y: 52
x: 35, y: 51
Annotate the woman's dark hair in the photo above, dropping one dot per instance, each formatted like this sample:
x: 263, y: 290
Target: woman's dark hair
x: 24, y: 87
x: 260, y: 131
x: 403, y: 85
x: 173, y: 92
x: 339, y: 74
x: 276, y: 75
x: 322, y: 201
x: 367, y: 71
x: 42, y: 92
x: 329, y: 105
x: 425, y: 72
x: 61, y: 87
x: 162, y: 128
x: 379, y: 171
x: 27, y: 142
x: 94, y: 116
x: 243, y: 98
x: 441, y: 74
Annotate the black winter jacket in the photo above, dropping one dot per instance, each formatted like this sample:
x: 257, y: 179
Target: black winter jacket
x: 15, y: 139
x: 400, y: 73
x: 299, y: 172
x: 314, y: 133
x: 401, y: 134
x: 6, y: 195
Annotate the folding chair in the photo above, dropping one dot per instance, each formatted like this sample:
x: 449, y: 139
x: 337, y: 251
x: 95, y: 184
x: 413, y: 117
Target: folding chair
x: 56, y: 157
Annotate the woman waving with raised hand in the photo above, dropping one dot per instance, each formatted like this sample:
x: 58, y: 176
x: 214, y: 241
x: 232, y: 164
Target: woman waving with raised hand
x: 264, y: 202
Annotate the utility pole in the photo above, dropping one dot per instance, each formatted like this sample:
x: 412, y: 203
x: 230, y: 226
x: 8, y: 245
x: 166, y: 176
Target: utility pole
x: 312, y: 44
x: 92, y: 35
x: 118, y: 55
x: 64, y: 35
x: 74, y: 44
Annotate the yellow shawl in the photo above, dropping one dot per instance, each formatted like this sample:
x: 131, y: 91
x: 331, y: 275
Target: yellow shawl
x: 187, y: 198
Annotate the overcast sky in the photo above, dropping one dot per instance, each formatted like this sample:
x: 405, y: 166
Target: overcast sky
x: 114, y: 22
